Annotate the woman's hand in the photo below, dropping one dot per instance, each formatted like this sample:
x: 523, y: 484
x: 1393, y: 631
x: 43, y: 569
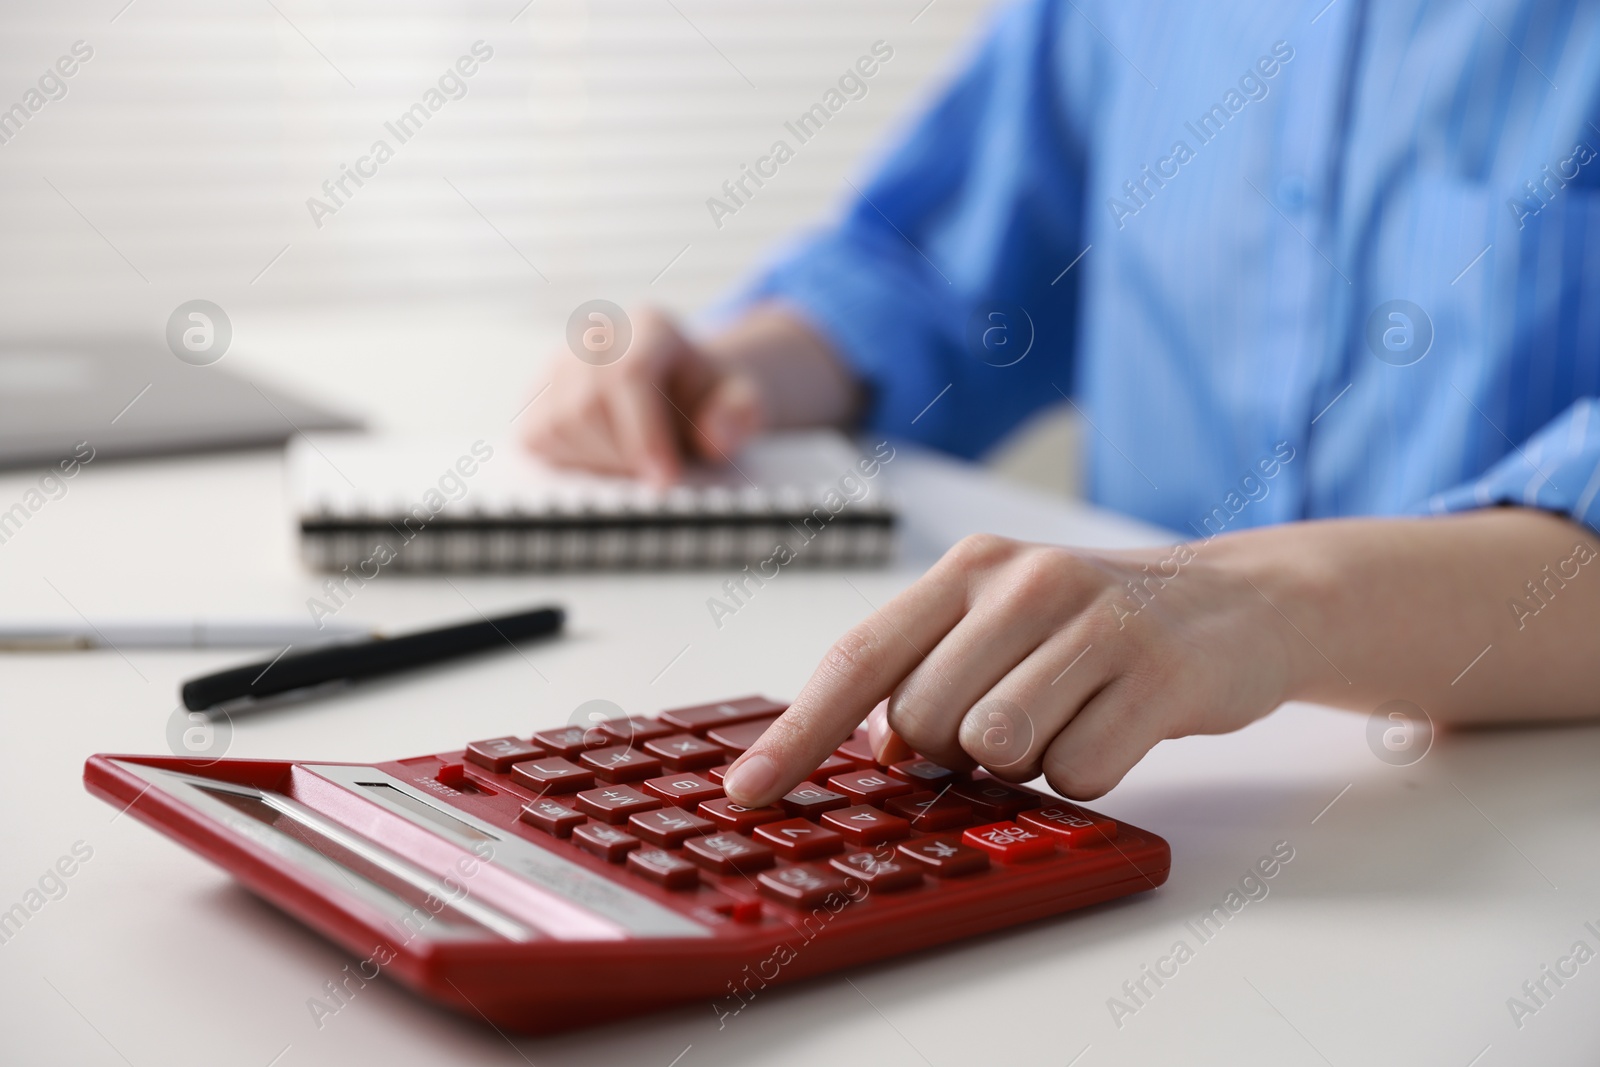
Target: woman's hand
x: 670, y: 398
x: 665, y: 399
x: 1033, y: 659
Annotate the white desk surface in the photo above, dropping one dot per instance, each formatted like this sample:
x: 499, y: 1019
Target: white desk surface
x: 1413, y: 908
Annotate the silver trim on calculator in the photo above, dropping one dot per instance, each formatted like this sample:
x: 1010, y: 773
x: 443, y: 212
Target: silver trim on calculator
x: 633, y: 912
x: 195, y: 791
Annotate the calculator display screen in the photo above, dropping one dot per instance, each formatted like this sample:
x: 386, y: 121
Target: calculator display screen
x: 427, y: 811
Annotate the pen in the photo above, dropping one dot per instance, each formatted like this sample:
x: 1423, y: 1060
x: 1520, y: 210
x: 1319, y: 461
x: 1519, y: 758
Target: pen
x: 353, y: 661
x: 171, y: 633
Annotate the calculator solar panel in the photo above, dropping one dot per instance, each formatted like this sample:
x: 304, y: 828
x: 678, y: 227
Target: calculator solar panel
x: 540, y: 880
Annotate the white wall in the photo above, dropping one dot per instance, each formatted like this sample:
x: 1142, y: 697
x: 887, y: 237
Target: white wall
x: 578, y: 164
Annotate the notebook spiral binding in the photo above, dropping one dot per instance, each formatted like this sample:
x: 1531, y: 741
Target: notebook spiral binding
x: 591, y: 539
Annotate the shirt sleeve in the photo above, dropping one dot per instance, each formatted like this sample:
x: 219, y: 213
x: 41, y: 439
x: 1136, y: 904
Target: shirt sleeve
x: 1557, y: 469
x: 976, y: 214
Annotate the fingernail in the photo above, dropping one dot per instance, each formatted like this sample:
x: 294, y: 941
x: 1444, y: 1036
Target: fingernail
x: 890, y: 747
x: 751, y: 779
x: 878, y: 732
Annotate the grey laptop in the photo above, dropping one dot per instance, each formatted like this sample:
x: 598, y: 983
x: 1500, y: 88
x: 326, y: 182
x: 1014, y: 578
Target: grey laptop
x: 130, y: 396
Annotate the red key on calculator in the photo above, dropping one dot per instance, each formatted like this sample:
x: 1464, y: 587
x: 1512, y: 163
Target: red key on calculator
x: 728, y: 853
x: 812, y: 800
x: 551, y: 817
x: 706, y: 716
x: 599, y: 871
x: 828, y: 768
x: 798, y: 839
x: 635, y: 730
x: 1070, y: 824
x: 551, y: 775
x: 868, y: 787
x: 925, y: 774
x: 931, y: 811
x: 614, y: 803
x: 730, y: 816
x: 669, y: 827
x: 604, y: 841
x: 739, y: 737
x: 804, y: 886
x: 659, y: 865
x: 1009, y: 842
x: 944, y: 856
x: 883, y: 874
x: 570, y: 740
x: 994, y: 800
x: 858, y: 750
x: 619, y: 763
x: 686, y: 752
x: 863, y: 825
x: 499, y: 753
x: 686, y: 789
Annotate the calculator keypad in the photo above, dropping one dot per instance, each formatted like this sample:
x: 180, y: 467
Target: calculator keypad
x: 646, y: 795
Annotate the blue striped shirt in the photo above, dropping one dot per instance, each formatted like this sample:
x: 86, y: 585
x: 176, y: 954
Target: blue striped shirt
x: 1288, y: 260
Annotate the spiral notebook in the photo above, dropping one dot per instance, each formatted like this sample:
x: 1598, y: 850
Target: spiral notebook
x: 370, y: 503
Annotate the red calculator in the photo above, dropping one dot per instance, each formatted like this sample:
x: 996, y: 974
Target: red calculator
x: 579, y: 874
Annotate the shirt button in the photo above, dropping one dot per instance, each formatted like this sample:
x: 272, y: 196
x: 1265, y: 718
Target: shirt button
x: 1292, y: 192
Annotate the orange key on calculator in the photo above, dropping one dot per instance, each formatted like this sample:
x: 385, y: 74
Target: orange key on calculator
x: 515, y: 878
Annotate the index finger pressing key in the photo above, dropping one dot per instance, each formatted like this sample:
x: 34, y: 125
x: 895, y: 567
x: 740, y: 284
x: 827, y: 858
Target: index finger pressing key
x: 861, y: 669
